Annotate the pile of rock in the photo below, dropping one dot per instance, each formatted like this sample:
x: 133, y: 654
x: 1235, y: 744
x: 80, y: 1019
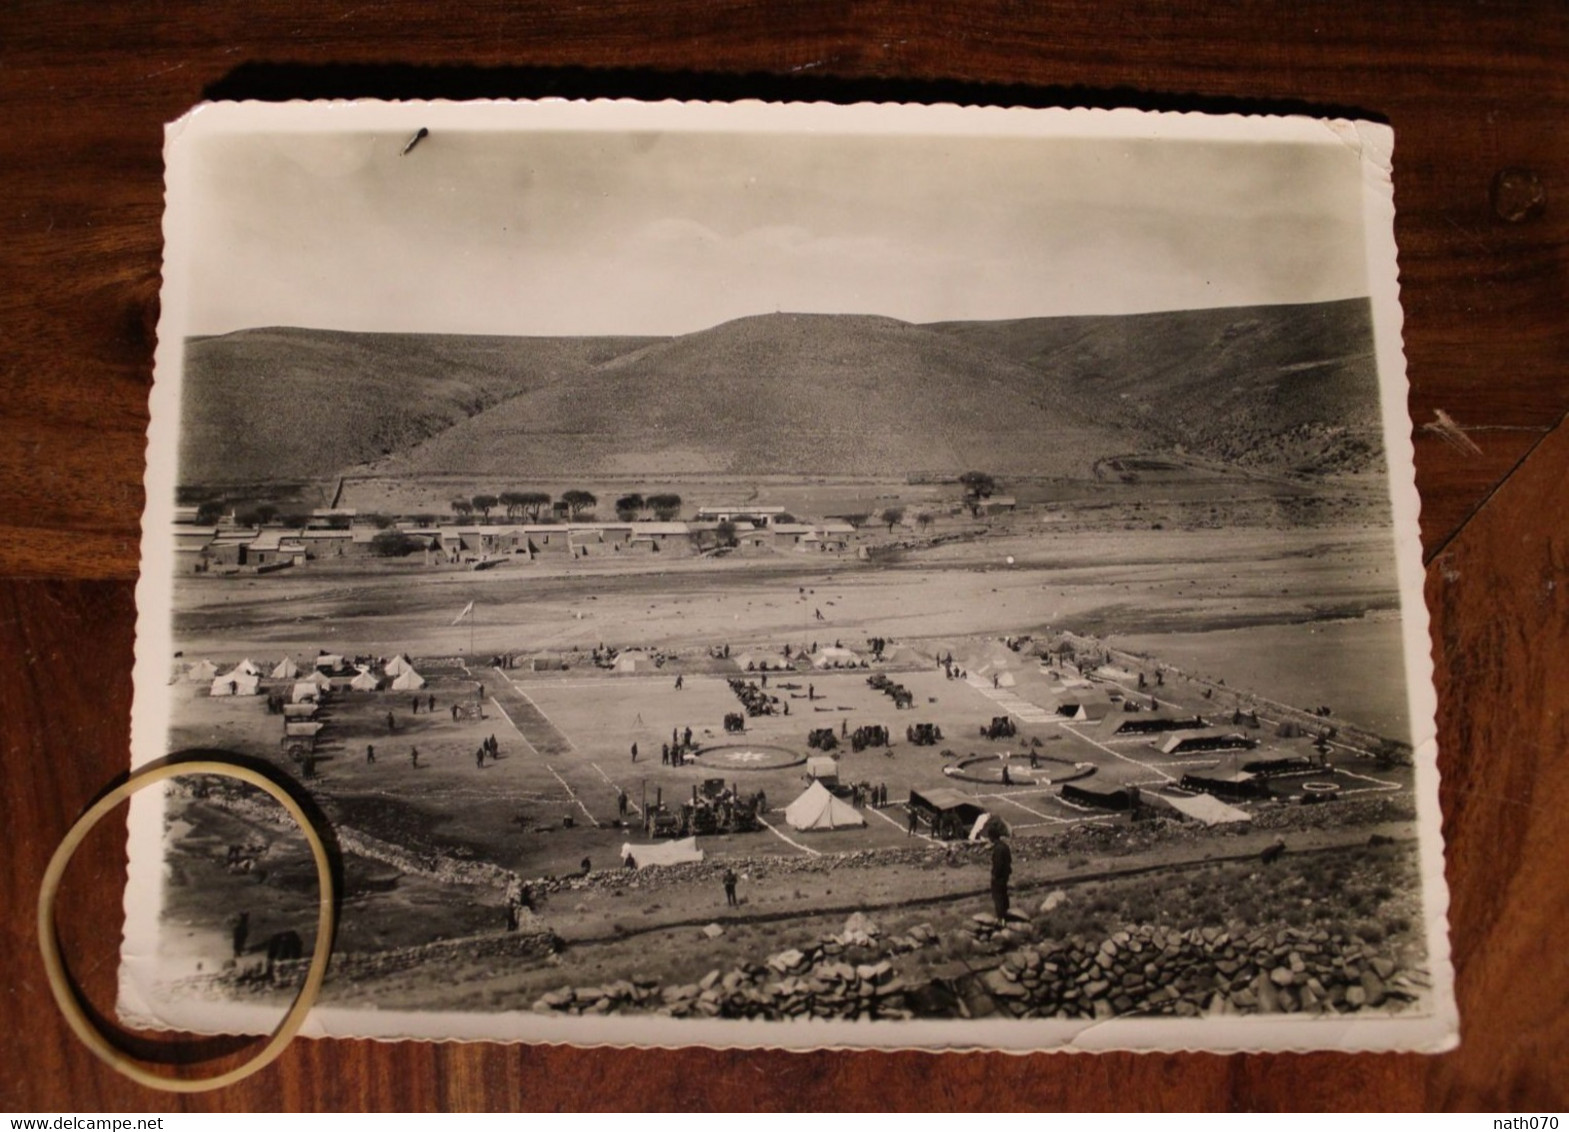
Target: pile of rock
x: 989, y: 935
x: 1149, y: 969
x: 634, y: 993
x: 848, y: 975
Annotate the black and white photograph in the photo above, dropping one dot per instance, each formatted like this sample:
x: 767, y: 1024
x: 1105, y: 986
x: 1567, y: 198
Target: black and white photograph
x: 788, y: 575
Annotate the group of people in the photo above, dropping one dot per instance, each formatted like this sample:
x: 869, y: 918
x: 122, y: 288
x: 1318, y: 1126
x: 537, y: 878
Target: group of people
x: 489, y: 747
x: 429, y: 701
x: 863, y: 793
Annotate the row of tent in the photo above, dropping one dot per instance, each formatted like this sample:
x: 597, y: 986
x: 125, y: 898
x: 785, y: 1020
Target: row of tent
x: 244, y: 679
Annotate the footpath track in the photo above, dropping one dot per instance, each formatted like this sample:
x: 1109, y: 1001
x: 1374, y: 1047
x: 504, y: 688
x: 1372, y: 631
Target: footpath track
x: 533, y: 724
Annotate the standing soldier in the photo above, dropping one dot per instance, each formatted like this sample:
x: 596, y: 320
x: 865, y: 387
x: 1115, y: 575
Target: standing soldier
x: 1002, y: 867
x: 370, y: 753
x: 730, y: 879
x: 414, y: 756
x: 634, y: 752
x: 392, y: 723
x: 621, y: 804
x: 430, y: 703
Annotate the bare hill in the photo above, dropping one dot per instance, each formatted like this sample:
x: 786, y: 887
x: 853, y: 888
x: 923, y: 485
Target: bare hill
x: 285, y: 403
x: 1287, y: 388
x: 783, y: 393
x: 1280, y: 389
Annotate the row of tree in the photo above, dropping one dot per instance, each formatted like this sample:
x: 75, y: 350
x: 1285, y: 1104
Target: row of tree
x: 579, y: 504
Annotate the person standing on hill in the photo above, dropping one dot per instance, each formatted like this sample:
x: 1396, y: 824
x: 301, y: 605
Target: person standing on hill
x: 1002, y: 867
x: 730, y: 879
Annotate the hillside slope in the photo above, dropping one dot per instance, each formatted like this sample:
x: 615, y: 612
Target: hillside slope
x: 1288, y: 388
x: 1279, y: 389
x: 782, y: 393
x: 284, y: 403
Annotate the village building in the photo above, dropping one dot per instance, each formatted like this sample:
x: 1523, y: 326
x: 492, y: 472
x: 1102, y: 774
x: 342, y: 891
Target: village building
x: 741, y: 513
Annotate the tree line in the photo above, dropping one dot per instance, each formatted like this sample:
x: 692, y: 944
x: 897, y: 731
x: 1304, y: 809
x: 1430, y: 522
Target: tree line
x: 579, y: 504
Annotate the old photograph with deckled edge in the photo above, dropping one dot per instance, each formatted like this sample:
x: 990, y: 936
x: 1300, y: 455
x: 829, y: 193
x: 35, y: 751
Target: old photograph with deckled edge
x: 743, y: 574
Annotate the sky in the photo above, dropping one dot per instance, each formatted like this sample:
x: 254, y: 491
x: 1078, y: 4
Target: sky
x: 570, y: 233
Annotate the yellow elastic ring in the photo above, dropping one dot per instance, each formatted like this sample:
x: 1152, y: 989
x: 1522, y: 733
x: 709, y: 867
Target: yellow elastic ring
x: 54, y: 964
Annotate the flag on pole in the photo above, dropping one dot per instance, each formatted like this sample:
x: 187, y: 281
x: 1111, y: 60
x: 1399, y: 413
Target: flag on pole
x: 467, y: 609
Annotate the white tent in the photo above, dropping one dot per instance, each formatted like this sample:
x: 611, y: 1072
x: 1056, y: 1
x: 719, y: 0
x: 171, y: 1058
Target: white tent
x: 305, y: 692
x: 235, y: 684
x: 1207, y: 808
x: 634, y: 660
x: 397, y: 666
x: 365, y: 682
x: 202, y: 672
x: 330, y: 661
x: 818, y: 809
x: 318, y: 680
x: 662, y: 852
x: 246, y: 667
x: 286, y: 670
x: 832, y: 655
x: 408, y: 681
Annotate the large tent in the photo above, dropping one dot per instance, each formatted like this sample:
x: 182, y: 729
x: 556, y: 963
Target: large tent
x: 397, y: 666
x: 635, y: 660
x: 662, y: 852
x: 235, y: 684
x: 286, y: 670
x: 817, y: 809
x: 408, y: 681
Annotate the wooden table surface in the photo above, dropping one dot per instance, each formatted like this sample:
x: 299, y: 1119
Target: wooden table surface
x: 1477, y: 95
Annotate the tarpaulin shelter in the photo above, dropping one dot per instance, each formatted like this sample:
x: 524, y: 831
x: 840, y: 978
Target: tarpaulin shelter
x: 823, y: 768
x: 1206, y: 808
x: 817, y: 809
x: 662, y: 852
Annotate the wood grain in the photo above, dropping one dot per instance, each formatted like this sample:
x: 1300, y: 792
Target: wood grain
x: 1469, y: 90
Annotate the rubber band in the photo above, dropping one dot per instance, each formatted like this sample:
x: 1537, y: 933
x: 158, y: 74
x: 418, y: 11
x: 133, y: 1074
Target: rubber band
x: 59, y: 979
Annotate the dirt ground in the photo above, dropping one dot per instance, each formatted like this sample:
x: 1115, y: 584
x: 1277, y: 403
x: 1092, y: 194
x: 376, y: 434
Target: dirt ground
x: 423, y: 836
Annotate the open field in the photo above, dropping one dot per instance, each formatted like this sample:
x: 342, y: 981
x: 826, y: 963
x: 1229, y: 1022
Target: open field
x: 1104, y: 582
x: 428, y: 848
